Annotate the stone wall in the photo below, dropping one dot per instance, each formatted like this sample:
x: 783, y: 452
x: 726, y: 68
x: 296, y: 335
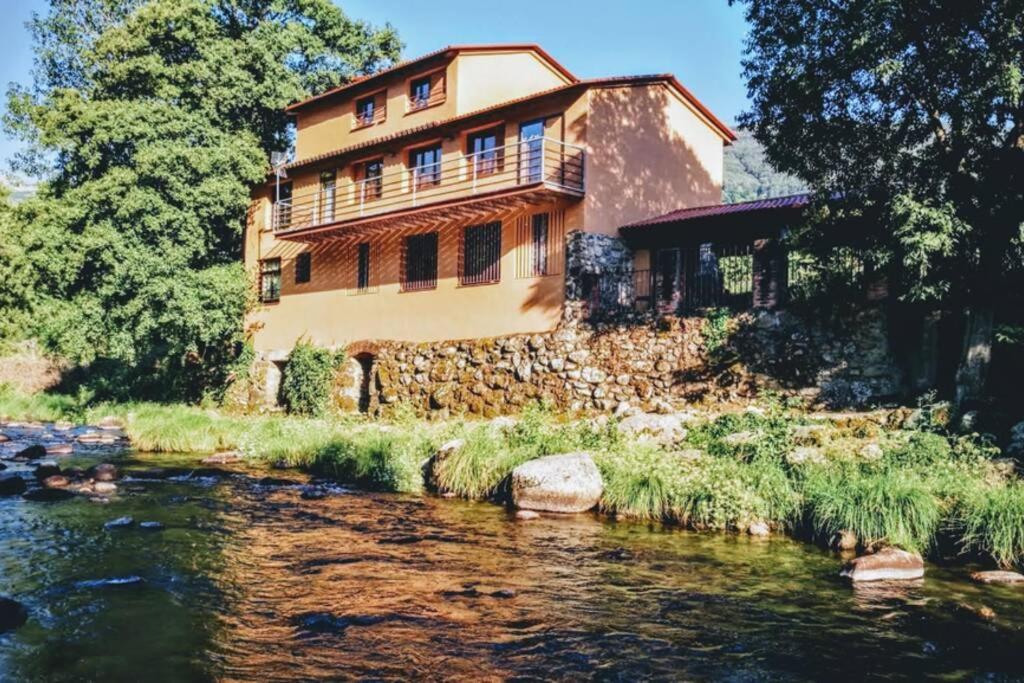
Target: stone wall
x: 651, y: 363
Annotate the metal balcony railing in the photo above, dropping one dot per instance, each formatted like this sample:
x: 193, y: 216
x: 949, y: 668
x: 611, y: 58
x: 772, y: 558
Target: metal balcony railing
x: 541, y: 161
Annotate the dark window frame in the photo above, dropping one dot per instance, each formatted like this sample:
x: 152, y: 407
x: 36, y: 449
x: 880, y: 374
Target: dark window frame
x: 487, y: 161
x: 362, y: 119
x: 419, y: 101
x: 433, y: 177
x: 420, y: 261
x: 363, y: 267
x: 374, y: 183
x: 540, y: 234
x: 270, y: 270
x: 304, y: 268
x: 480, y: 254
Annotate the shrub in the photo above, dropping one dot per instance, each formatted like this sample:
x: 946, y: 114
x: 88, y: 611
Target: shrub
x: 992, y: 521
x: 308, y: 379
x: 877, y: 504
x: 716, y: 329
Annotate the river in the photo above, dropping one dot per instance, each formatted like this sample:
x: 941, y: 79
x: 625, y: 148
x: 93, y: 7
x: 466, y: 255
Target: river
x: 257, y: 575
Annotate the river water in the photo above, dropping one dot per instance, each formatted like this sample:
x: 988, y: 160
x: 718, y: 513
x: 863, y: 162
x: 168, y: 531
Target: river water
x: 257, y: 578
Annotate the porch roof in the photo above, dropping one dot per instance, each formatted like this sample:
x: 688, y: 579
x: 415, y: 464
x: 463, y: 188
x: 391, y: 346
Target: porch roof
x: 689, y: 216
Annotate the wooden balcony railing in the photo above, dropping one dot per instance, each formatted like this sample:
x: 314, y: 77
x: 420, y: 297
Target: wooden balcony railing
x: 541, y: 162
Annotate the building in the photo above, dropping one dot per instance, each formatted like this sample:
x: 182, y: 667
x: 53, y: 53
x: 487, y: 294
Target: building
x: 437, y: 199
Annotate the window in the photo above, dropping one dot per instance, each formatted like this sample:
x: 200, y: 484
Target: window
x: 370, y: 179
x: 419, y: 262
x: 539, y: 244
x: 283, y: 206
x: 270, y: 280
x: 485, y: 151
x: 419, y: 93
x: 481, y: 254
x: 328, y: 183
x: 364, y: 111
x: 363, y: 267
x: 425, y: 163
x: 303, y: 267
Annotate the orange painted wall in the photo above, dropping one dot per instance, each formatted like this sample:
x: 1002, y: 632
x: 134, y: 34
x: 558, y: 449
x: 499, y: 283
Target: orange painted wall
x: 330, y: 312
x: 648, y: 153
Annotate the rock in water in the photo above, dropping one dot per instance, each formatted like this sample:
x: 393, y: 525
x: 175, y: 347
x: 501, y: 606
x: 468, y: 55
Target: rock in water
x: 151, y: 526
x: 104, y: 488
x: 527, y: 515
x: 119, y: 523
x: 888, y: 564
x: 12, y: 486
x: 997, y: 577
x: 569, y: 482
x: 12, y: 614
x: 223, y: 458
x: 32, y: 452
x: 103, y: 472
x: 56, y: 481
x: 759, y: 528
x: 48, y: 495
x: 59, y: 449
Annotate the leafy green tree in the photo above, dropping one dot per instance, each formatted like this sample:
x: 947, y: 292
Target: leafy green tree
x: 17, y: 279
x: 749, y: 175
x: 913, y: 110
x: 153, y: 121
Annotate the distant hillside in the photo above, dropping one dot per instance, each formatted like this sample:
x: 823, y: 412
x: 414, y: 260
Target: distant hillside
x: 748, y: 175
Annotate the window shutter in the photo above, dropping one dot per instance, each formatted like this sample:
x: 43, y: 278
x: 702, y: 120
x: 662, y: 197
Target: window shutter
x: 380, y: 106
x: 437, y: 84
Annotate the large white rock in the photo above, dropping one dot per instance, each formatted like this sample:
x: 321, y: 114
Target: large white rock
x: 568, y: 482
x: 888, y: 564
x: 665, y: 429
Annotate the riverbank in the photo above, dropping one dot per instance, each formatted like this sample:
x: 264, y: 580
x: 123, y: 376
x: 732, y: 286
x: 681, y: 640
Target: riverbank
x: 865, y: 479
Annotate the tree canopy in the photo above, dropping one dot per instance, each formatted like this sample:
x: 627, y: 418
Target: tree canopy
x: 151, y: 122
x: 912, y: 112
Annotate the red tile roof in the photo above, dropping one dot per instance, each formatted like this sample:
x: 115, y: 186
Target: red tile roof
x: 451, y: 50
x: 793, y: 201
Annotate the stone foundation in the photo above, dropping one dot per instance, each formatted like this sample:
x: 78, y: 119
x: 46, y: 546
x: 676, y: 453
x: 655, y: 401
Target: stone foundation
x: 651, y: 363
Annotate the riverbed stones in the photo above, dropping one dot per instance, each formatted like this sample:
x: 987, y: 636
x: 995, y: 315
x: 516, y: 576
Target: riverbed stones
x: 119, y: 523
x: 12, y: 486
x: 59, y: 449
x: 103, y: 472
x: 104, y: 488
x: 568, y: 482
x: 888, y: 564
x: 223, y: 458
x: 151, y: 526
x: 526, y: 515
x: 997, y: 576
x: 48, y: 495
x: 12, y: 614
x: 56, y: 481
x: 34, y: 452
x: 4, y: 438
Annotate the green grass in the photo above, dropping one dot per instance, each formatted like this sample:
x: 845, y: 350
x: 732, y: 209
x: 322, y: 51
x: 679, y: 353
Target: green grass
x: 915, y: 486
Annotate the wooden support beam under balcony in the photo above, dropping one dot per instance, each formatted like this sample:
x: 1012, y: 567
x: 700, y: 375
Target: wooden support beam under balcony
x: 481, y: 186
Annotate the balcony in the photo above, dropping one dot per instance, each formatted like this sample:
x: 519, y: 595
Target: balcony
x: 502, y: 178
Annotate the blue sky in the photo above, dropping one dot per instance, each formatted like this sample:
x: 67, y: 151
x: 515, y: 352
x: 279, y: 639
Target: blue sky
x: 700, y: 41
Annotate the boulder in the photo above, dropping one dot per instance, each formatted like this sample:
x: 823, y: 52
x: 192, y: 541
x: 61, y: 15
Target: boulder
x: 12, y: 486
x: 151, y: 526
x: 46, y: 470
x: 4, y: 438
x: 32, y: 452
x: 48, y: 495
x: 12, y: 614
x: 997, y: 577
x: 103, y: 472
x: 525, y: 515
x: 759, y: 528
x: 888, y: 564
x: 59, y: 449
x: 665, y: 429
x: 568, y: 482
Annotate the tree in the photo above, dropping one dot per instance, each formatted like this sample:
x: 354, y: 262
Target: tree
x: 912, y: 110
x: 155, y: 119
x: 749, y: 176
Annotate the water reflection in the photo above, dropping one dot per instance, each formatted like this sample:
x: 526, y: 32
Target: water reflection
x: 251, y: 581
